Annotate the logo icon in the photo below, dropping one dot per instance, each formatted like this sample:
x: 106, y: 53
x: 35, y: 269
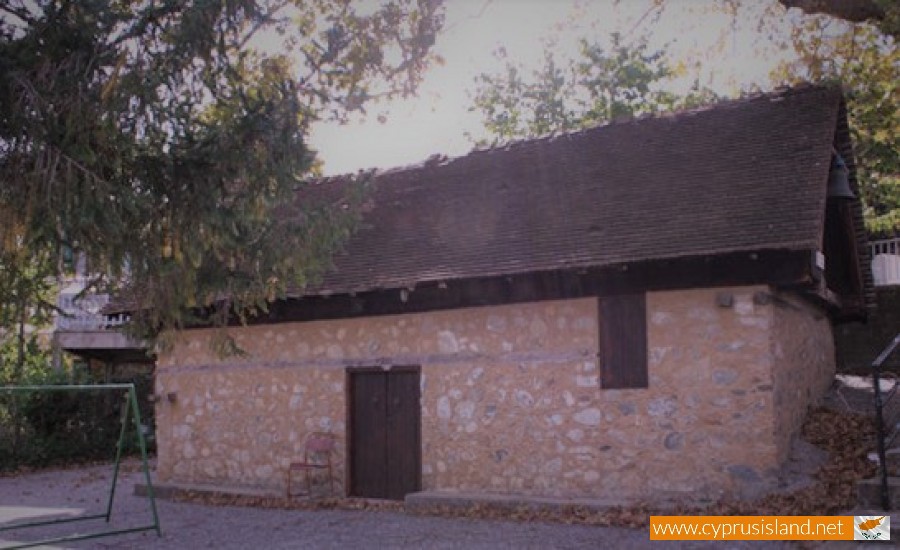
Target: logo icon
x: 872, y: 528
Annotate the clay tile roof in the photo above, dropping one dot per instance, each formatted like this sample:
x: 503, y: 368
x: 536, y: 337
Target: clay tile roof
x: 743, y: 175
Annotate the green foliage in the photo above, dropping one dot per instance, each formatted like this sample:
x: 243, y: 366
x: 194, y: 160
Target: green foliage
x: 29, y: 364
x: 165, y: 141
x: 890, y: 25
x: 605, y: 83
x: 27, y: 296
x: 39, y: 429
x: 867, y: 64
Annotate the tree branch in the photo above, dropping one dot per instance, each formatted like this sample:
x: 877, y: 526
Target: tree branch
x: 856, y: 11
x: 21, y: 13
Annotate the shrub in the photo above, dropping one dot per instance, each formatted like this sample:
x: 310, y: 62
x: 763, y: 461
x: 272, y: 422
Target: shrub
x: 45, y: 428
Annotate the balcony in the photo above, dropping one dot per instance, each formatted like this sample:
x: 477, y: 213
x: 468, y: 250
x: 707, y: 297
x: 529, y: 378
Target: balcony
x: 83, y: 330
x: 83, y: 314
x: 885, y: 261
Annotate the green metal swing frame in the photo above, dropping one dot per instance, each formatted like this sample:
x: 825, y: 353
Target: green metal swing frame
x: 129, y: 409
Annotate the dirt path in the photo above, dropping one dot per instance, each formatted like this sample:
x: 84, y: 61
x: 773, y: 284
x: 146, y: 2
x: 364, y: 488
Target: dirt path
x: 191, y: 526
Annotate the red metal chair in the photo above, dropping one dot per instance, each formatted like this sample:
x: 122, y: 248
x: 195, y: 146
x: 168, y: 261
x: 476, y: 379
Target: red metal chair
x: 317, y: 451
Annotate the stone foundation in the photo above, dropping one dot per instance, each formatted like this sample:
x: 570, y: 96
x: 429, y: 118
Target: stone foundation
x: 511, y: 401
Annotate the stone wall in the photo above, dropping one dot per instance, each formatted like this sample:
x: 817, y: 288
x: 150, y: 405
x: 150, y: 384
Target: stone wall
x: 242, y: 426
x: 710, y: 369
x: 803, y: 369
x: 510, y: 398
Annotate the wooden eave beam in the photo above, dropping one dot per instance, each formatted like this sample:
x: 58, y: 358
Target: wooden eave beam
x: 780, y: 268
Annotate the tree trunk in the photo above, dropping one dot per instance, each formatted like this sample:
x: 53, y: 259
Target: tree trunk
x: 21, y: 315
x: 18, y: 369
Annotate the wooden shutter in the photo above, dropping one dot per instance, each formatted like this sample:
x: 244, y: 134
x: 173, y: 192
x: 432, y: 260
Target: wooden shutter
x: 623, y: 341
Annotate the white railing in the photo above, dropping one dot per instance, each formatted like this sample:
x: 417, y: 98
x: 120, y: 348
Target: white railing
x: 83, y: 313
x: 885, y: 261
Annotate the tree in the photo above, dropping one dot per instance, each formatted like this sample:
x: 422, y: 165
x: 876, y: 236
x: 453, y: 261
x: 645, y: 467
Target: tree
x: 623, y: 80
x: 867, y: 64
x: 852, y: 43
x: 627, y: 80
x: 158, y: 138
x: 26, y: 283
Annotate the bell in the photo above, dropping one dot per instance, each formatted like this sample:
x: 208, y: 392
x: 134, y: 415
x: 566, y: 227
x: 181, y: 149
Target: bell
x: 839, y: 181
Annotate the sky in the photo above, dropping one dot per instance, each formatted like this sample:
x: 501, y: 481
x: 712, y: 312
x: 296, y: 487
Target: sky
x: 438, y: 120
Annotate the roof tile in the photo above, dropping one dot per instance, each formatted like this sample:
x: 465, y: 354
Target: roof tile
x: 743, y: 175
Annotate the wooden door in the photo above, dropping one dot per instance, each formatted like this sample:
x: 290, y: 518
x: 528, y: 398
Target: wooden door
x: 385, y: 443
x: 368, y: 430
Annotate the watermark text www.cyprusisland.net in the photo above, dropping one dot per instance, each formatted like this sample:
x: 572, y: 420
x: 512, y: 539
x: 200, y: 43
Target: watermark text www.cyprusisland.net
x: 770, y: 528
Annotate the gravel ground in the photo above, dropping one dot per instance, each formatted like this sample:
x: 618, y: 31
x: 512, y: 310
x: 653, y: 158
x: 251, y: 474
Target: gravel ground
x: 84, y: 491
x: 190, y: 526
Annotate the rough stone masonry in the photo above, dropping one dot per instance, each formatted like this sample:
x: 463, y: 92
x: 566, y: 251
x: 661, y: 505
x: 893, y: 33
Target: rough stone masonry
x: 511, y: 401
